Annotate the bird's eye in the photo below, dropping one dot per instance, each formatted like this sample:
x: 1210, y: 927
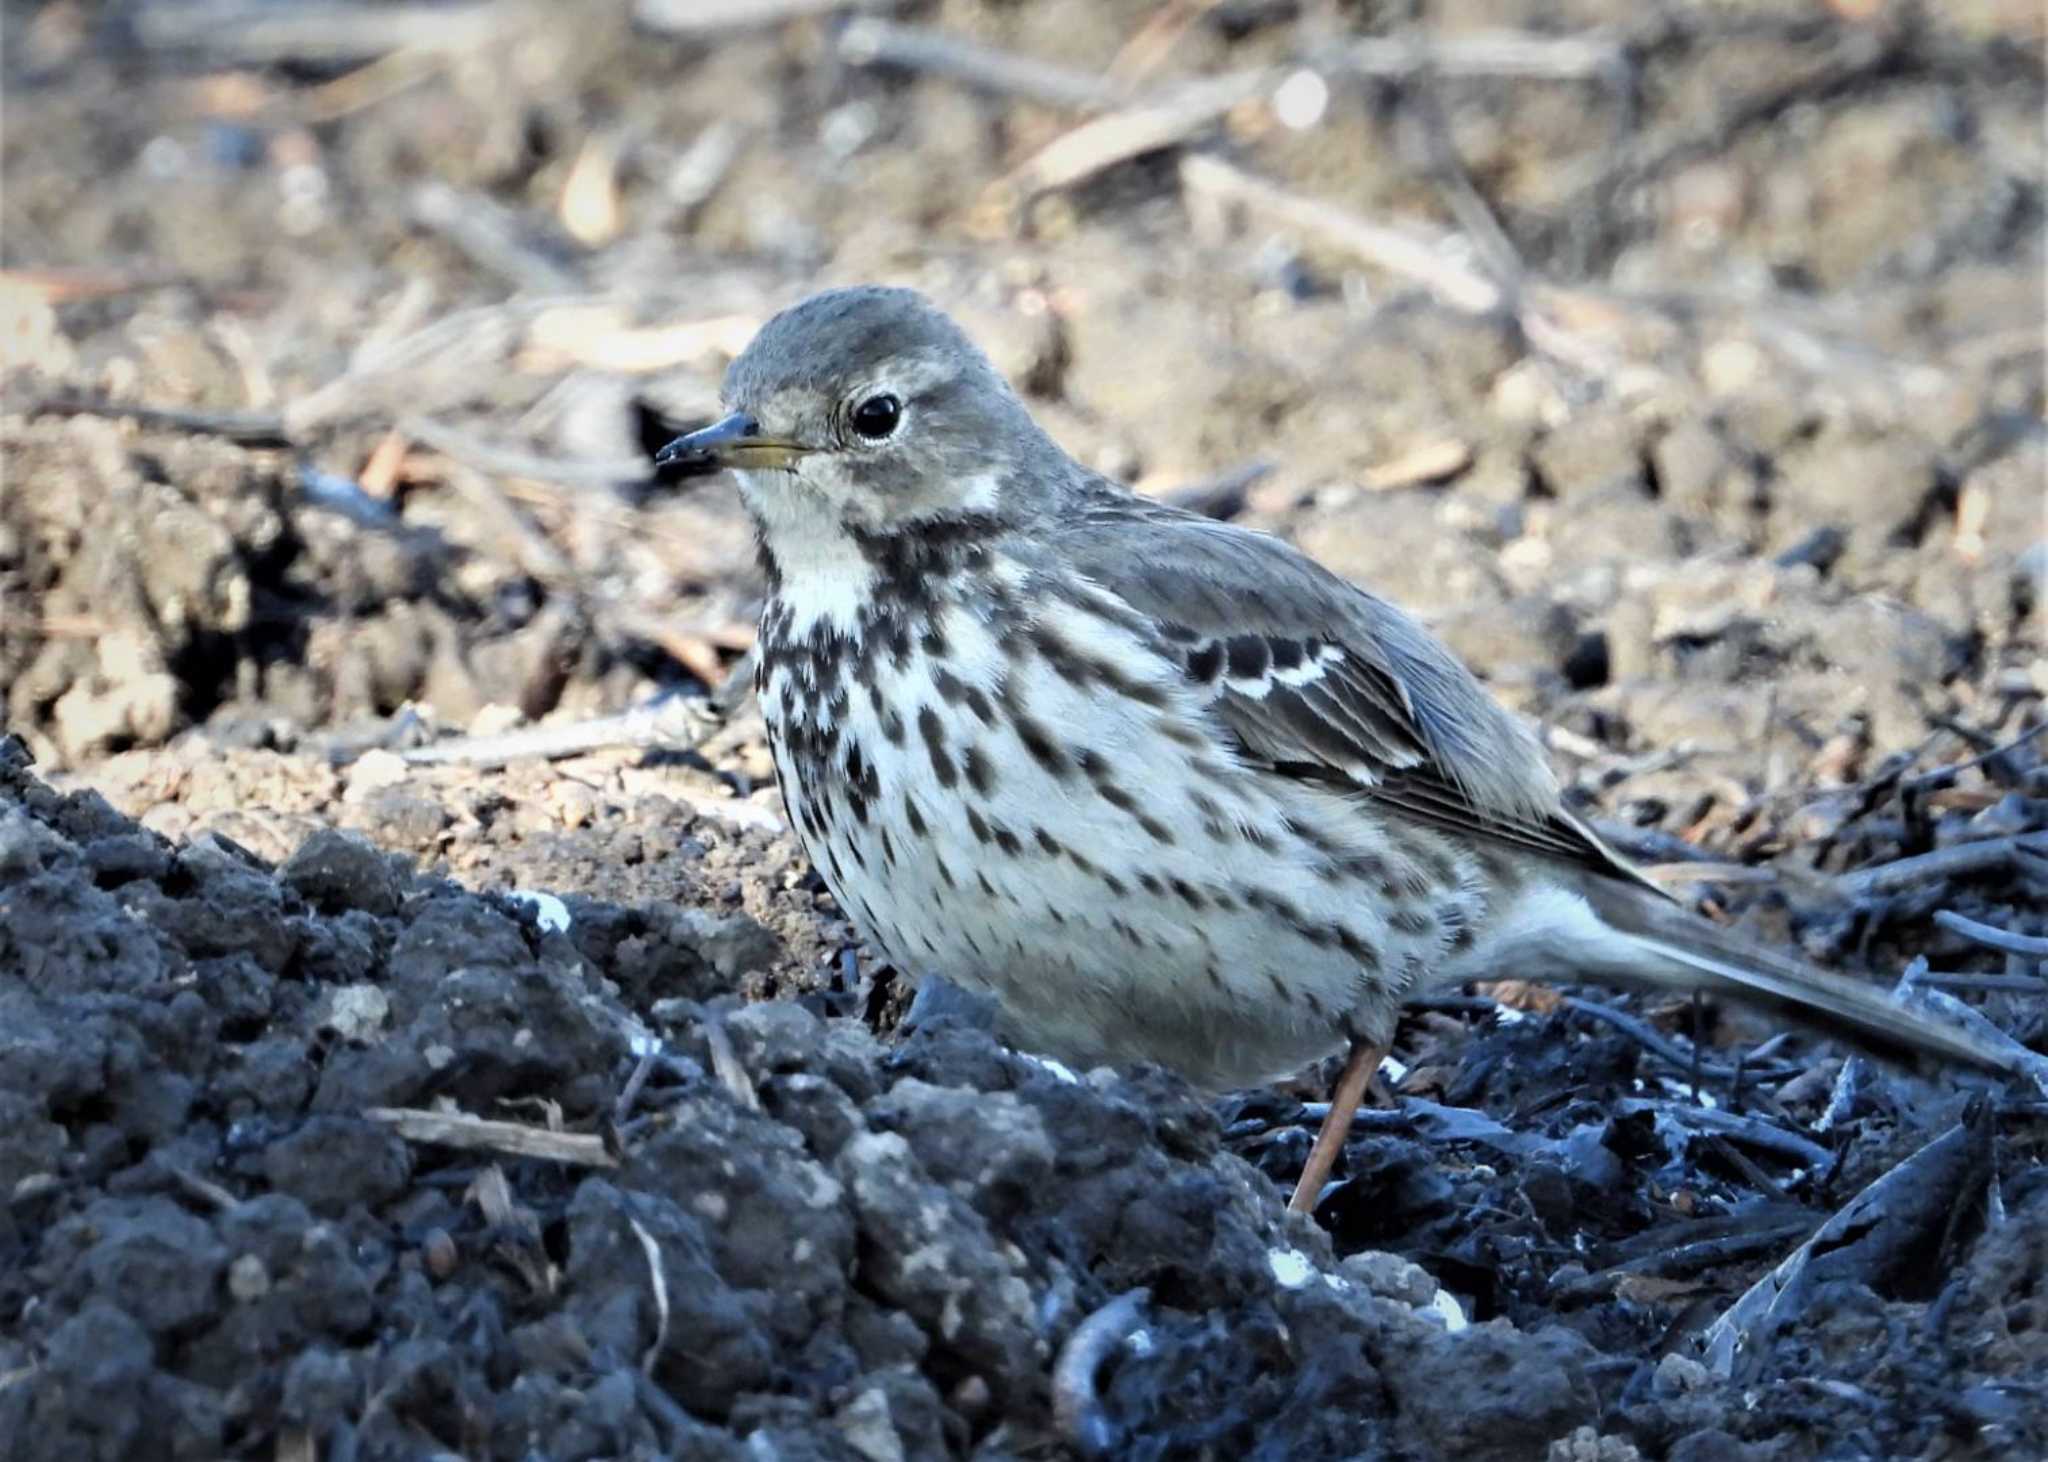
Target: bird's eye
x: 877, y: 416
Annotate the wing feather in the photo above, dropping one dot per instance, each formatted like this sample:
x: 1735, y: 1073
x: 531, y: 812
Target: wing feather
x: 1351, y: 690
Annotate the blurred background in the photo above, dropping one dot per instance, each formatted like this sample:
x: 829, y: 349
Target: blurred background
x: 1681, y: 363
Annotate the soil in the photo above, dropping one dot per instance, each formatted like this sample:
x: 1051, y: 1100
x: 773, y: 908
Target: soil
x: 1739, y: 494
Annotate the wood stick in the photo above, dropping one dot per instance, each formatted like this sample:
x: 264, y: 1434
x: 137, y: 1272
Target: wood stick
x: 246, y: 428
x: 1589, y: 56
x: 703, y: 17
x: 1410, y: 254
x: 460, y: 1129
x: 872, y: 41
x: 1144, y: 126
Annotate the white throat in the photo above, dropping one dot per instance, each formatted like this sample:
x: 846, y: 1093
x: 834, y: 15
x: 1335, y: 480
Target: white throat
x: 826, y: 578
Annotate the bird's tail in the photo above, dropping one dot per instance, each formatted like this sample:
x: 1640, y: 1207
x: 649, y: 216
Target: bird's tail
x: 1669, y: 948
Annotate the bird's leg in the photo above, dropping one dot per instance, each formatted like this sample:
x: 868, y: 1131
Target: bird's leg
x: 1359, y: 1067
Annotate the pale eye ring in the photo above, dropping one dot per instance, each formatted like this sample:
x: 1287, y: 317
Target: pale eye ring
x: 877, y: 416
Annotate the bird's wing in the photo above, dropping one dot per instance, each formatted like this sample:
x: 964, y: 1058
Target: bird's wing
x: 1315, y: 678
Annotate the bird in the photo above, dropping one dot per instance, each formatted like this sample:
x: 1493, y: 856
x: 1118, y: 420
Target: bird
x: 1163, y: 787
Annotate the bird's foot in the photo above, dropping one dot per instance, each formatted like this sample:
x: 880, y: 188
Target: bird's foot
x: 939, y: 999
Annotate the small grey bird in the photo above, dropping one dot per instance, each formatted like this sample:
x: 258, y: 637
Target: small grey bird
x: 1164, y: 787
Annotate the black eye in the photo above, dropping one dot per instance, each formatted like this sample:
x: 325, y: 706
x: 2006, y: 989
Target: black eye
x: 877, y: 416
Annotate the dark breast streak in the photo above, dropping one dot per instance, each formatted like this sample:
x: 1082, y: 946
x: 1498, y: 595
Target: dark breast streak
x: 829, y: 777
x: 1042, y: 810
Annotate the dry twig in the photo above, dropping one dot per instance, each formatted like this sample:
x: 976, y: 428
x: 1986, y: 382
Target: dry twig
x: 486, y: 456
x: 871, y: 41
x: 244, y: 428
x: 1961, y: 861
x: 494, y: 237
x: 418, y: 371
x: 657, y: 1279
x: 482, y: 1134
x: 1589, y: 56
x: 706, y: 17
x: 320, y: 33
x: 1426, y: 260
x: 531, y: 549
x: 1143, y: 53
x: 2032, y: 946
x: 1864, y: 1238
x: 725, y: 1064
x: 1144, y: 126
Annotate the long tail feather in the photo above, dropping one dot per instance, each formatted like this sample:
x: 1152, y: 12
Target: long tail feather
x: 1677, y: 950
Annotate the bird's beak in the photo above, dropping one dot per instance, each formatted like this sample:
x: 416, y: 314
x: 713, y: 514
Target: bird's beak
x: 735, y: 441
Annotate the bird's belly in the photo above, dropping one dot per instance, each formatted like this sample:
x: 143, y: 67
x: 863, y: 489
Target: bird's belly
x: 1102, y: 865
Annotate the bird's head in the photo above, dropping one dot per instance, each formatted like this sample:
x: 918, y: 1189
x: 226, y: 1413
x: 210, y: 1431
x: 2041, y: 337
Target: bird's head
x: 868, y: 411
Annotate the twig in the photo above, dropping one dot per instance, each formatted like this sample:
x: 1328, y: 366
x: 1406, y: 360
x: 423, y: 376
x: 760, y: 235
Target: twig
x: 353, y: 91
x: 1941, y: 774
x: 1143, y: 126
x: 701, y: 17
x: 1656, y: 1042
x: 1433, y: 461
x: 2019, y: 1059
x: 2033, y: 946
x: 1842, y: 1095
x: 1426, y: 260
x: 871, y: 41
x: 670, y: 723
x: 657, y: 1279
x: 87, y: 282
x: 245, y: 428
x: 493, y: 236
x: 205, y: 1190
x: 1989, y: 984
x: 1588, y: 56
x: 1963, y: 860
x: 532, y: 551
x: 1142, y: 54
x: 725, y: 1064
x: 1746, y: 1166
x: 491, y: 1191
x: 389, y: 377
x: 693, y: 651
x: 1654, y: 153
x: 325, y: 34
x: 630, y: 1092
x: 597, y: 336
x: 1472, y: 212
x: 1703, y: 1244
x: 1752, y: 1130
x: 507, y: 462
x: 1722, y: 873
x: 1865, y: 1237
x: 459, y: 1129
x: 1076, y: 1408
